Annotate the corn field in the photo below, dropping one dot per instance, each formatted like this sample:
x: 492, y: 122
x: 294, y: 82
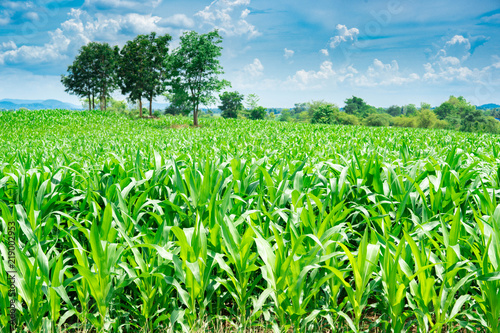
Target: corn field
x: 150, y: 225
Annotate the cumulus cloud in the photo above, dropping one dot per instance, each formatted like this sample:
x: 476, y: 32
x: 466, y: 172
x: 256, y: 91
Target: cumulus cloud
x: 377, y: 74
x: 343, y: 35
x: 324, y: 52
x: 221, y: 14
x: 380, y: 74
x: 80, y: 29
x: 255, y: 69
x: 448, y: 62
x: 304, y: 79
x: 10, y: 45
x: 245, y: 13
x: 179, y: 20
x: 288, y: 53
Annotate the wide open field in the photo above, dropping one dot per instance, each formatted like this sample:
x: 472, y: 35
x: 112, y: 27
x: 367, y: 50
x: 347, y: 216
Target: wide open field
x: 122, y: 225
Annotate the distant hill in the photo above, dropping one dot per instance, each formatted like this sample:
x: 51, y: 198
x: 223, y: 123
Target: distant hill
x: 488, y: 106
x: 15, y: 104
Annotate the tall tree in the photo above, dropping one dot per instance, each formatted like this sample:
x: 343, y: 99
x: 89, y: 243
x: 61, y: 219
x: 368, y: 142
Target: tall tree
x: 142, y: 68
x: 358, y: 107
x: 195, y: 68
x: 231, y: 104
x: 158, y: 65
x: 394, y: 110
x: 92, y: 73
x: 105, y: 62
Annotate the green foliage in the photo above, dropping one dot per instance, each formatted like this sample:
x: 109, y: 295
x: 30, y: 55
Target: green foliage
x: 258, y: 112
x: 180, y: 103
x: 252, y: 101
x: 446, y: 110
x: 324, y: 113
x: 246, y: 225
x: 93, y: 73
x: 394, y: 110
x: 142, y: 67
x: 116, y: 106
x: 195, y: 68
x: 426, y: 118
x: 343, y: 118
x: 231, y: 104
x: 358, y: 107
x: 403, y: 121
x: 378, y: 119
x: 409, y: 109
x: 286, y: 115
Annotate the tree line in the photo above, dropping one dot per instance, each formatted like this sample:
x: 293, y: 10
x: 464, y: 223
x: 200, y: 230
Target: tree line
x: 454, y: 114
x: 144, y: 69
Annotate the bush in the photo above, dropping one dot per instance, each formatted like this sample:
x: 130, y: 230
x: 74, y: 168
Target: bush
x: 441, y: 124
x: 426, y: 118
x: 378, y: 119
x: 405, y: 122
x: 343, y: 118
x: 324, y: 114
x: 258, y: 113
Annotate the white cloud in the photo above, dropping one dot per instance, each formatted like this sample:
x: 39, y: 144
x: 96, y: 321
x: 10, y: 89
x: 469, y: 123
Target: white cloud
x: 304, y: 79
x: 377, y: 74
x: 179, y: 20
x: 32, y: 16
x: 80, y: 29
x: 255, y: 69
x: 221, y: 15
x: 288, y: 53
x: 245, y: 13
x: 10, y: 45
x: 447, y: 64
x: 324, y: 52
x: 458, y: 39
x: 495, y: 18
x: 380, y: 74
x: 343, y: 35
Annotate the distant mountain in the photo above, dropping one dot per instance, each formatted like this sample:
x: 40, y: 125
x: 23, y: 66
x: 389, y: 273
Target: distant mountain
x: 488, y: 106
x: 15, y: 104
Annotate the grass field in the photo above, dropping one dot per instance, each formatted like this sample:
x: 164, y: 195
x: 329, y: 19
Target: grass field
x: 150, y: 225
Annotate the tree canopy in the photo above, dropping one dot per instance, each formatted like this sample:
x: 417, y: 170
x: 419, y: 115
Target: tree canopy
x: 93, y: 73
x: 196, y: 67
x: 143, y: 67
x: 231, y: 104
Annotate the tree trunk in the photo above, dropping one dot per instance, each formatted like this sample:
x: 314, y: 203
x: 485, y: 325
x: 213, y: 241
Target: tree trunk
x: 151, y: 105
x: 93, y: 102
x: 102, y: 103
x: 195, y: 116
x: 140, y: 107
x: 90, y: 103
x: 105, y: 99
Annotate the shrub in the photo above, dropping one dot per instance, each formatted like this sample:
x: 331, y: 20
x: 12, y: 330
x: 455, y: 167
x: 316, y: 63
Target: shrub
x: 324, y: 114
x: 346, y: 119
x: 378, y: 119
x: 405, y: 122
x: 441, y: 124
x: 426, y: 118
x: 258, y: 113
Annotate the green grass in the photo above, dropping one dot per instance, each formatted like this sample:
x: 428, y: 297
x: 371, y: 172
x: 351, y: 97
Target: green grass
x: 149, y: 225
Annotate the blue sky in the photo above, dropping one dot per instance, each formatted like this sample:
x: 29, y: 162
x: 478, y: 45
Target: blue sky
x: 286, y: 51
